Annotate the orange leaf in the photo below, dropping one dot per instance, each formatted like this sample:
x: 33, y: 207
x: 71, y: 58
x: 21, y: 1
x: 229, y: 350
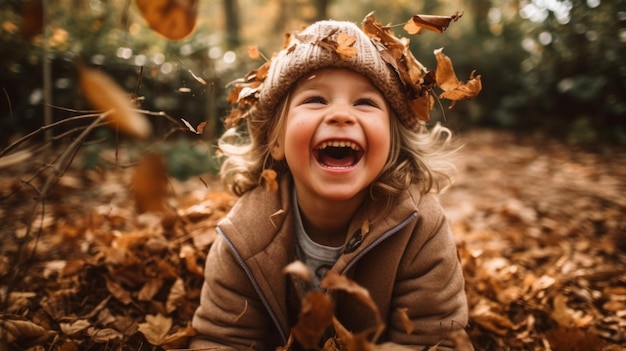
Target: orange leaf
x: 173, y: 19
x: 316, y: 315
x: 268, y: 177
x: 452, y: 88
x: 436, y: 24
x: 104, y: 94
x: 32, y: 18
x: 253, y: 52
x: 149, y: 184
x: 336, y: 281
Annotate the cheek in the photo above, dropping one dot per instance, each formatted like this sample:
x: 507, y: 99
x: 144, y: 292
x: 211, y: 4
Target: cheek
x: 298, y: 135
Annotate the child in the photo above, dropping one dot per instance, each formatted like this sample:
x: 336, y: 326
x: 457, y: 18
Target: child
x: 354, y: 171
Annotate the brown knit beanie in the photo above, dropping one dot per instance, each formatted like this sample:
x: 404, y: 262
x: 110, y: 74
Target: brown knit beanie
x: 374, y: 51
x: 312, y: 49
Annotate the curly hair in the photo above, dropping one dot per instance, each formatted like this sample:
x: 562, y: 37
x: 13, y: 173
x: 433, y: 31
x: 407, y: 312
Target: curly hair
x: 417, y: 156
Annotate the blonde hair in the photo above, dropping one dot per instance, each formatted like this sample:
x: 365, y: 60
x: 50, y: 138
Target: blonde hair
x: 417, y: 156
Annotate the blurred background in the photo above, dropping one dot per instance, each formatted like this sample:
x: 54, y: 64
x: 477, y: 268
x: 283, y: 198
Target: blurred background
x: 553, y: 66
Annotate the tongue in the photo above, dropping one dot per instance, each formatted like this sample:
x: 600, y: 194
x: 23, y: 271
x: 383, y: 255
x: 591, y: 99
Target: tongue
x: 330, y: 161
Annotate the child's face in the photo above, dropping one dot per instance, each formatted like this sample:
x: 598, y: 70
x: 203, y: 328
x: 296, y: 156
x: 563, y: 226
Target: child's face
x: 336, y: 137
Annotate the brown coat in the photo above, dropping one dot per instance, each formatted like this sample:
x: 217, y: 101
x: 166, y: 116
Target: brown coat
x: 407, y: 260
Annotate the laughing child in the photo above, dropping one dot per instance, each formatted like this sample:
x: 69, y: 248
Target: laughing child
x: 355, y: 176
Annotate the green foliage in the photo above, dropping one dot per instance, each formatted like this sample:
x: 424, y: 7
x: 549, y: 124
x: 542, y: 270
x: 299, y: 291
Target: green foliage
x: 184, y: 159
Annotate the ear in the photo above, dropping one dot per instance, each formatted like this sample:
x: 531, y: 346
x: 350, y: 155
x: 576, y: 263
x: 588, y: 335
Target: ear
x: 278, y: 151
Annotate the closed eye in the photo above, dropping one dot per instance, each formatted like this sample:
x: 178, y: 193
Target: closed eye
x: 314, y: 100
x: 367, y: 102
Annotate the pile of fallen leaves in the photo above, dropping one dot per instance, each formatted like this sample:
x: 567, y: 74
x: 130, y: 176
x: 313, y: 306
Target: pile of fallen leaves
x: 540, y: 232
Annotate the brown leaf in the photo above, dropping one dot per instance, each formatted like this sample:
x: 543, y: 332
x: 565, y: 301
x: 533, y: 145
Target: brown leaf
x: 436, y: 24
x: 315, y: 316
x: 573, y: 339
x: 452, y: 88
x: 176, y: 296
x: 268, y: 177
x: 149, y: 184
x: 74, y: 327
x: 21, y: 330
x: 173, y: 19
x: 121, y: 294
x: 32, y: 18
x: 155, y: 328
x: 300, y: 270
x: 253, y: 52
x: 406, y: 321
x: 104, y: 94
x: 336, y: 281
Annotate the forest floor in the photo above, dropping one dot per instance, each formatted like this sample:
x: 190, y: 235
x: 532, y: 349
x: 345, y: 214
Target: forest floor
x: 539, y: 225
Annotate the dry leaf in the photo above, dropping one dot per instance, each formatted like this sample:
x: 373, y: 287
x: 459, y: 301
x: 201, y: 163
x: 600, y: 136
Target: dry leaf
x: 315, y: 316
x: 173, y: 19
x: 406, y: 321
x: 336, y: 281
x: 104, y: 94
x: 155, y: 328
x: 452, y: 88
x: 149, y: 184
x: 14, y: 330
x: 118, y: 292
x: 300, y: 270
x: 253, y: 52
x: 32, y: 18
x: 268, y: 177
x: 74, y: 327
x: 436, y: 24
x: 176, y: 296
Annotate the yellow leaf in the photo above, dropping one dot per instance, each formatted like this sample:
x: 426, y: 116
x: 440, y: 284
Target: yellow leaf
x: 104, y: 94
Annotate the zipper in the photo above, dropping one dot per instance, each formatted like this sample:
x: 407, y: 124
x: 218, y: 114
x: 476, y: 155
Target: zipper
x: 380, y: 239
x: 254, y: 284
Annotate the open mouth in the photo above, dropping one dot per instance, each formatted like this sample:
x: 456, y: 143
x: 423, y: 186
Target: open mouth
x: 338, y: 154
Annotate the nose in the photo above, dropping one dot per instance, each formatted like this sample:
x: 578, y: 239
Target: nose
x: 340, y: 116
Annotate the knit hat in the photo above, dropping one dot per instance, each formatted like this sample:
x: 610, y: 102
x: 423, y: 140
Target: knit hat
x: 319, y: 46
x: 373, y: 51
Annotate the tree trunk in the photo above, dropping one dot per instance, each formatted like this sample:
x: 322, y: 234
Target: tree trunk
x: 231, y: 11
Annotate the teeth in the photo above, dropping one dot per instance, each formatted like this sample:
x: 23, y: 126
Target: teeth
x: 339, y: 143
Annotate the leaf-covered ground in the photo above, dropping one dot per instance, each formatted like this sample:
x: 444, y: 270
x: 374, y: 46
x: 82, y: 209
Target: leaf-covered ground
x: 540, y: 229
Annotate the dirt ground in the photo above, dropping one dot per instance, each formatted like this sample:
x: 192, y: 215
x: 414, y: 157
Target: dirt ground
x: 539, y: 225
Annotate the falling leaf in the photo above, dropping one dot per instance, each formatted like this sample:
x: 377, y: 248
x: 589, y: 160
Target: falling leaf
x: 336, y: 281
x: 436, y: 24
x: 300, y: 270
x: 155, y: 328
x: 253, y: 52
x: 32, y: 18
x: 149, y: 184
x: 174, y: 19
x: 316, y: 315
x: 104, y: 94
x: 452, y: 88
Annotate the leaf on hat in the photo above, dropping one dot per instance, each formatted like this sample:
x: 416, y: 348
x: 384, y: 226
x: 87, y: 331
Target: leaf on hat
x: 452, y: 88
x: 421, y: 106
x: 342, y: 45
x: 436, y: 24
